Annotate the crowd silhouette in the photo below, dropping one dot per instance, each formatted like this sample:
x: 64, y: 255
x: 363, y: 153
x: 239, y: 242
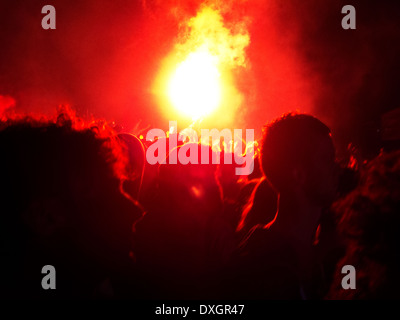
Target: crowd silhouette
x: 80, y: 196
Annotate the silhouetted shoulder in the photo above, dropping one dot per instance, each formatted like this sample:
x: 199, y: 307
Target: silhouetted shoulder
x: 264, y: 267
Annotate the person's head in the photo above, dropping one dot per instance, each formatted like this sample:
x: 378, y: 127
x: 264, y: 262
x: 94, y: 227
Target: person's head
x: 191, y: 188
x: 60, y: 195
x: 368, y: 219
x: 369, y: 215
x: 298, y: 156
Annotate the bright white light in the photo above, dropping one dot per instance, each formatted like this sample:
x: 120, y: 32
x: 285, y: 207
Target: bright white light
x: 195, y: 88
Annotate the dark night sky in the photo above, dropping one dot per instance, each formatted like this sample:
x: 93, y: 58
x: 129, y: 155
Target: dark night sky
x: 104, y: 55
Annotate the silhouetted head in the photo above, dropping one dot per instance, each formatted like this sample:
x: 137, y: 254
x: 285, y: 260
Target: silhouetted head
x: 368, y: 218
x: 298, y: 154
x: 61, y: 197
x: 369, y: 215
x: 191, y: 188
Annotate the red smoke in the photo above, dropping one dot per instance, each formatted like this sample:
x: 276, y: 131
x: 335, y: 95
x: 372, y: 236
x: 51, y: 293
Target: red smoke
x: 104, y: 56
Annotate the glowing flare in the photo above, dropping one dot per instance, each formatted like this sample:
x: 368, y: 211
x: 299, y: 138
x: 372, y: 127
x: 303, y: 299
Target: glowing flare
x: 195, y: 87
x: 197, y: 79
